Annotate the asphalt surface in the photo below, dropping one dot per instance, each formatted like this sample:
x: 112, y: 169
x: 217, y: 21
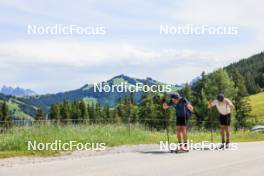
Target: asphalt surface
x: 247, y: 160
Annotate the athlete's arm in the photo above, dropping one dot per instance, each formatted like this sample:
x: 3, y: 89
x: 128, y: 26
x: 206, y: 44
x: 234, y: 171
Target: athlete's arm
x: 229, y: 102
x: 190, y: 107
x: 210, y: 104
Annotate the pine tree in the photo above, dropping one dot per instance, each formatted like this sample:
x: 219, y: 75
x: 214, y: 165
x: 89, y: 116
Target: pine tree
x: 200, y: 102
x: 65, y: 112
x: 123, y: 109
x: 187, y: 92
x: 98, y: 113
x: 239, y: 83
x: 243, y: 112
x: 202, y: 110
x: 242, y: 106
x: 134, y: 114
x: 75, y: 112
x: 40, y: 116
x: 91, y: 112
x: 107, y: 113
x: 84, y: 111
x: 250, y: 82
x: 220, y: 82
x: 55, y: 113
x: 148, y: 111
x: 6, y: 116
x: 116, y: 117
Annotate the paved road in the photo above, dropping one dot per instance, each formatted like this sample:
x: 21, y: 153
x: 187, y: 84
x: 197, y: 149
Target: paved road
x: 247, y: 160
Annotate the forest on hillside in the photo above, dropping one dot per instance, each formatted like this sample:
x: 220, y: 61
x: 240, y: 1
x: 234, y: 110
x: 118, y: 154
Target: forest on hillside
x: 149, y: 110
x: 252, y: 71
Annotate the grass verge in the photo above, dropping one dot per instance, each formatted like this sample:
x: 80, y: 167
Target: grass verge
x: 14, y: 142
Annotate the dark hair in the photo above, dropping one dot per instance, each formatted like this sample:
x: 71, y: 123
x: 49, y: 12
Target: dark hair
x: 220, y: 97
x: 175, y: 96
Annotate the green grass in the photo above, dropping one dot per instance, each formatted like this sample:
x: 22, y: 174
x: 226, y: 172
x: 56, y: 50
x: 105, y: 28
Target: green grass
x: 14, y: 142
x: 257, y: 103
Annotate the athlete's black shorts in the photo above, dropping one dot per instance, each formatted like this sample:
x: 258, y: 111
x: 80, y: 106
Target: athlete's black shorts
x: 225, y: 119
x: 181, y: 121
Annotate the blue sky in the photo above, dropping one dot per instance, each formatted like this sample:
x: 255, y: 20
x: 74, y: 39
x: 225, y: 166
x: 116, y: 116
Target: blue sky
x: 132, y: 45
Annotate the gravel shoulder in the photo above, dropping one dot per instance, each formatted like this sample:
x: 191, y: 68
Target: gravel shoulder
x: 9, y: 162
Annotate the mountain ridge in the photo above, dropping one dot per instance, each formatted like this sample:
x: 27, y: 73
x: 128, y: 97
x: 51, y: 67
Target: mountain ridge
x: 17, y: 91
x: 87, y: 92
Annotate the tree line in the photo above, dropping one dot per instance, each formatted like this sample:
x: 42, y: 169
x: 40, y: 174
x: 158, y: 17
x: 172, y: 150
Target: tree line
x: 5, y: 115
x: 149, y: 110
x: 252, y: 71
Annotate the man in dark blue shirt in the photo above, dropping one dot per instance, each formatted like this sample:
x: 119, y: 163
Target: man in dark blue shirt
x: 183, y: 111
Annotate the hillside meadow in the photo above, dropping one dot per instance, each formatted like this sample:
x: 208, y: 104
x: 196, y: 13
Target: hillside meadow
x: 257, y: 104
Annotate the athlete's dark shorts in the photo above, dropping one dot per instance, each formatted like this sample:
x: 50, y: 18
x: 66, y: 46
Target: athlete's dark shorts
x: 225, y: 119
x: 181, y: 121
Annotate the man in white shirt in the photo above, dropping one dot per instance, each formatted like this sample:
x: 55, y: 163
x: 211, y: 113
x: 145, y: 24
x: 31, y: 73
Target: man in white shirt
x: 224, y: 107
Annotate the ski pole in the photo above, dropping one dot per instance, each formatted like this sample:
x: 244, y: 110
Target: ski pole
x: 211, y: 125
x: 167, y: 130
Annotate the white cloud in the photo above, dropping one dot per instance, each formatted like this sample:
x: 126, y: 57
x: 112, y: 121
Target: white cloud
x: 247, y: 15
x: 76, y: 53
x: 220, y: 12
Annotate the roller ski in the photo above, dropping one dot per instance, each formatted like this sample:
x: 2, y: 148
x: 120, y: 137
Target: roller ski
x: 223, y: 146
x: 181, y: 149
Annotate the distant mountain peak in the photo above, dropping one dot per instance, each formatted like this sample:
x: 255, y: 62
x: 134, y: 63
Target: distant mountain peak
x: 132, y: 80
x: 122, y: 76
x: 87, y: 92
x: 17, y: 91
